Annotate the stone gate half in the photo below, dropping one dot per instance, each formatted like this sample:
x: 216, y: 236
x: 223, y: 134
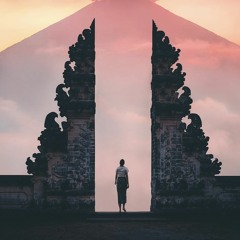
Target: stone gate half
x: 183, y: 173
x: 64, y: 169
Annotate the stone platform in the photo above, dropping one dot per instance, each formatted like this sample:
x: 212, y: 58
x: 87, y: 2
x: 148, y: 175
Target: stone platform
x: 111, y: 225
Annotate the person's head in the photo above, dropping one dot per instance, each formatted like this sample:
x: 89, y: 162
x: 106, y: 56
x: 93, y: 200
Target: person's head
x: 122, y: 162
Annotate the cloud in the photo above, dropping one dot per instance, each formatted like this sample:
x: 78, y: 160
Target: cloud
x: 13, y: 118
x: 18, y: 137
x: 129, y: 45
x: 208, y: 55
x: 50, y: 50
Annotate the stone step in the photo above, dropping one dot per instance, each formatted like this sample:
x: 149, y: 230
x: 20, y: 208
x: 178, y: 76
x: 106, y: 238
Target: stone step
x: 124, y: 217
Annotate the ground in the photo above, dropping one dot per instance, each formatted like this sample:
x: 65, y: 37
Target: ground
x: 113, y: 226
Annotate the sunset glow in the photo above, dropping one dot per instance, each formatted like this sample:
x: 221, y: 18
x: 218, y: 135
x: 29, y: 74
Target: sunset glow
x: 26, y: 17
x: 222, y: 17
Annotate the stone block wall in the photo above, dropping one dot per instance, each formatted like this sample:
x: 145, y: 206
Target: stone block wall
x: 16, y: 191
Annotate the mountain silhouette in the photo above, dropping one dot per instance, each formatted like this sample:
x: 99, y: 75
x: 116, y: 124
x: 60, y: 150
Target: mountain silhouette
x: 31, y: 70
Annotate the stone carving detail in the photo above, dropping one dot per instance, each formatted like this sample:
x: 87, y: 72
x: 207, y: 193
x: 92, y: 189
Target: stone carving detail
x: 210, y: 166
x: 62, y: 99
x: 57, y: 178
x: 178, y: 75
x: 185, y: 101
x: 163, y: 53
x: 39, y: 166
x: 75, y: 88
x: 68, y: 74
x: 81, y: 52
x: 80, y: 153
x: 196, y: 141
x: 194, y: 131
x: 52, y: 139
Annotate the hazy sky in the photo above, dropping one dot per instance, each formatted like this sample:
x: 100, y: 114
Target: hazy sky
x: 20, y: 19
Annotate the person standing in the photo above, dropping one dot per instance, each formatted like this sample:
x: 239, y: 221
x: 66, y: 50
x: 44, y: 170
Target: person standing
x: 122, y: 182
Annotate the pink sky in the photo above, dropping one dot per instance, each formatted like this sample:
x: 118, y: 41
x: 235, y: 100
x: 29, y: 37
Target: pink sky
x: 123, y: 88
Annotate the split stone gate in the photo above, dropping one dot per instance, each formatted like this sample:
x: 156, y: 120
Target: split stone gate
x: 63, y: 172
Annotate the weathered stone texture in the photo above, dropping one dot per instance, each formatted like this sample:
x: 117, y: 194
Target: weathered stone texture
x: 81, y: 145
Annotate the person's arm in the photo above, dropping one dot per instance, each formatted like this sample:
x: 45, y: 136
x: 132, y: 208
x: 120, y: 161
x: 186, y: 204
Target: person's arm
x: 116, y: 178
x: 127, y: 180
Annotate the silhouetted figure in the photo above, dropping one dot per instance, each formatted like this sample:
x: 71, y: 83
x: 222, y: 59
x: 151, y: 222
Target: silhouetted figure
x: 121, y: 180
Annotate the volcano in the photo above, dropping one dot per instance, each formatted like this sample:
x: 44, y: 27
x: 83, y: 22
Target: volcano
x: 31, y: 70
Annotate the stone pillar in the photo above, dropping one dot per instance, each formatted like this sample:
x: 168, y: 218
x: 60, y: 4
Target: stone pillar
x: 38, y: 190
x: 81, y: 145
x: 80, y: 115
x: 166, y: 115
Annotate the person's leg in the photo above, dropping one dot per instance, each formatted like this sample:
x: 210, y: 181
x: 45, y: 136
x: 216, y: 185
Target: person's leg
x: 124, y: 209
x: 119, y: 204
x: 124, y: 198
x: 119, y: 199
